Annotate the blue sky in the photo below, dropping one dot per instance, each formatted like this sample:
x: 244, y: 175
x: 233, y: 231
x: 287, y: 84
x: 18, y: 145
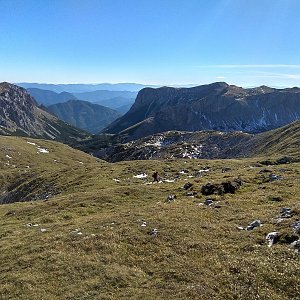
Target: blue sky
x: 243, y: 42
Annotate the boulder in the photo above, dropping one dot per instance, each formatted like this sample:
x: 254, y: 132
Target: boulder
x: 272, y: 238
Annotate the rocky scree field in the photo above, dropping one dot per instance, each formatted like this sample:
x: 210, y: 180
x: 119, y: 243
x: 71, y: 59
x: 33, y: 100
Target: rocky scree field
x: 75, y: 227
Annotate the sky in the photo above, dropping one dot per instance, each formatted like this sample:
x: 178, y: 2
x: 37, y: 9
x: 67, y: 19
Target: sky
x: 165, y: 42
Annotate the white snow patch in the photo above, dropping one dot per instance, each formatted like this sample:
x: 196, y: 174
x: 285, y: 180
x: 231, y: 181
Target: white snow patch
x: 42, y: 150
x: 141, y: 176
x: 30, y: 143
x: 169, y: 180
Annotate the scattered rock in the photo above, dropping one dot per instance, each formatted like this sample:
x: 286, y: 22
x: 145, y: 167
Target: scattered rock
x: 144, y: 224
x: 171, y: 197
x: 296, y: 245
x: 226, y: 169
x: 43, y: 229
x: 272, y: 238
x: 76, y: 231
x: 187, y: 185
x: 208, y: 202
x: 253, y: 225
x: 153, y: 232
x: 274, y: 177
x: 296, y: 227
x: 32, y: 225
x: 286, y: 212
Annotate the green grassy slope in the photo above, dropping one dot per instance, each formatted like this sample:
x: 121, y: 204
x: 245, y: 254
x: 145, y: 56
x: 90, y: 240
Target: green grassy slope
x: 198, y: 254
x: 281, y: 141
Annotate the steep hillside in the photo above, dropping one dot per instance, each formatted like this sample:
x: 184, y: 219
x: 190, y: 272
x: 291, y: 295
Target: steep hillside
x: 20, y: 115
x: 47, y: 98
x: 85, y: 115
x: 87, y: 229
x: 217, y: 106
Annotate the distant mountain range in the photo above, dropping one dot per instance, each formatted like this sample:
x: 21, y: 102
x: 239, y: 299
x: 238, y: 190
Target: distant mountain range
x: 118, y: 100
x: 81, y: 88
x: 216, y: 106
x: 47, y: 97
x: 85, y: 115
x: 20, y: 115
x: 112, y: 99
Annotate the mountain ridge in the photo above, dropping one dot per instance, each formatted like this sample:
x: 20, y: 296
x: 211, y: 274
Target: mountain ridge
x: 217, y: 106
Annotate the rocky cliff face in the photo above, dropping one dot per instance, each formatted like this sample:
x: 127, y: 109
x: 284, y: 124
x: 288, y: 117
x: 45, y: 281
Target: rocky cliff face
x: 20, y: 115
x: 217, y: 106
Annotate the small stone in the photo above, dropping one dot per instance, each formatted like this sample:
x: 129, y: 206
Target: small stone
x: 286, y: 212
x: 272, y: 238
x: 208, y: 202
x: 295, y: 245
x: 274, y: 177
x: 254, y: 224
x: 171, y: 198
x: 43, y: 229
x: 153, y: 232
x: 296, y: 227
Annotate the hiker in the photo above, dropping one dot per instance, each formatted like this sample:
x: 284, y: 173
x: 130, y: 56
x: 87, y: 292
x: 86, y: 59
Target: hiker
x: 155, y: 176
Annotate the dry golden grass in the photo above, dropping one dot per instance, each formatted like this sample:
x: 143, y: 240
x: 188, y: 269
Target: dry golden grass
x: 198, y: 254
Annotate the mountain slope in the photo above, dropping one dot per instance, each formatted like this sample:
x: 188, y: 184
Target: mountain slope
x: 85, y: 115
x: 20, y: 115
x: 217, y: 106
x: 47, y: 97
x: 90, y: 224
x: 284, y: 140
x: 196, y: 145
